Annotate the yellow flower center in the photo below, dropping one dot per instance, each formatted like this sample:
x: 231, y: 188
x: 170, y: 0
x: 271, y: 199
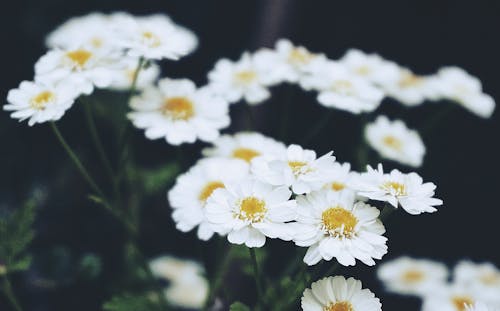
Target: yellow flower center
x: 339, y: 222
x: 40, y: 101
x: 96, y: 42
x: 79, y: 57
x: 339, y: 306
x: 151, y: 39
x: 413, y: 276
x: 245, y: 77
x: 462, y: 302
x: 409, y: 79
x: 337, y: 186
x: 392, y: 142
x: 209, y: 189
x: 178, y: 108
x: 363, y: 70
x: 343, y: 87
x: 298, y: 167
x: 394, y: 188
x: 299, y: 56
x: 252, y: 209
x: 246, y: 154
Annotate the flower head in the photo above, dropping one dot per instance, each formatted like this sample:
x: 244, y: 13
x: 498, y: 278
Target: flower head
x: 449, y: 298
x: 409, y: 88
x: 370, y: 67
x: 481, y: 278
x: 124, y: 78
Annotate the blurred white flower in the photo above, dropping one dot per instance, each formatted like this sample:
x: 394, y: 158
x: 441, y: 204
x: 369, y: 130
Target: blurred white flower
x: 245, y: 146
x: 394, y: 141
x: 190, y: 294
x: 40, y: 102
x: 298, y: 168
x: 340, y: 179
x: 456, y: 84
x: 179, y: 112
x: 174, y: 269
x: 248, y: 79
x: 333, y: 226
x: 409, y: 88
x: 339, y: 88
x: 124, y: 78
x: 480, y: 307
x: 249, y: 211
x: 192, y: 189
x: 449, y: 298
x: 481, y: 278
x: 411, y: 276
x: 396, y: 188
x: 338, y: 294
x: 370, y: 67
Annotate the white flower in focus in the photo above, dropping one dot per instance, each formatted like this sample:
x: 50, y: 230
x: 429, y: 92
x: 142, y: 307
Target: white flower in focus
x: 339, y: 88
x: 409, y: 88
x: 249, y: 211
x: 449, y: 298
x: 394, y: 141
x: 297, y: 168
x: 147, y: 76
x: 338, y: 294
x: 179, y: 112
x: 333, y: 226
x: 40, y: 102
x: 155, y: 37
x: 83, y: 67
x: 481, y: 278
x: 370, y: 67
x: 480, y: 307
x: 456, y: 84
x: 396, y: 188
x: 245, y: 146
x: 192, y: 189
x: 341, y: 179
x: 246, y: 79
x: 409, y: 276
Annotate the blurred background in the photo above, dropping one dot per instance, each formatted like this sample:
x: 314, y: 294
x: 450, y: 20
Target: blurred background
x: 78, y: 246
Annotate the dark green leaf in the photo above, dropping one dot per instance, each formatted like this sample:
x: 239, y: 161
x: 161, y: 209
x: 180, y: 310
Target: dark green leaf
x: 238, y: 306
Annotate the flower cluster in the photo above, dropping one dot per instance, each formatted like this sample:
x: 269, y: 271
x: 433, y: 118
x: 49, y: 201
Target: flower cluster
x: 472, y: 283
x: 250, y: 187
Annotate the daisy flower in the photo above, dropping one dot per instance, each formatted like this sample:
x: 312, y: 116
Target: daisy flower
x: 482, y: 278
x: 394, y: 141
x: 297, y: 168
x: 333, y: 226
x: 340, y: 180
x: 123, y: 80
x: 480, y: 307
x: 179, y: 112
x: 39, y: 102
x: 339, y: 88
x: 245, y: 146
x: 247, y: 79
x: 192, y: 189
x: 174, y: 269
x: 456, y: 84
x: 338, y: 294
x: 411, y: 276
x: 396, y: 188
x: 449, y: 298
x: 409, y: 88
x: 154, y: 37
x: 370, y: 67
x: 250, y: 211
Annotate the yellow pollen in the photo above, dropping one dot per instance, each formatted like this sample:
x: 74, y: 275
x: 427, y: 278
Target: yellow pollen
x: 151, y: 39
x: 343, y: 87
x: 41, y: 100
x: 392, y: 142
x: 410, y: 80
x: 339, y: 222
x: 299, y: 56
x: 337, y: 186
x: 96, y: 42
x: 79, y: 57
x: 394, y: 187
x: 413, y: 276
x: 462, y: 302
x: 363, y: 70
x: 297, y: 167
x: 246, y: 154
x: 209, y: 189
x: 178, y: 108
x: 339, y: 306
x: 245, y: 76
x: 252, y: 209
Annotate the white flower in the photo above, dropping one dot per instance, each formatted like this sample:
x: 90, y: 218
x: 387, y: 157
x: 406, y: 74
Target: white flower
x: 481, y: 278
x: 339, y: 88
x: 155, y: 37
x: 245, y: 146
x: 449, y: 298
x: 333, y: 226
x: 84, y: 67
x: 456, y: 84
x: 480, y: 307
x: 249, y: 211
x: 411, y: 276
x: 190, y: 294
x: 246, y: 79
x: 410, y: 89
x: 407, y: 190
x: 179, y: 112
x: 40, y: 102
x: 297, y: 168
x: 341, y: 179
x: 192, y: 189
x: 371, y: 67
x: 174, y: 269
x: 338, y: 294
x: 394, y: 141
x: 124, y: 78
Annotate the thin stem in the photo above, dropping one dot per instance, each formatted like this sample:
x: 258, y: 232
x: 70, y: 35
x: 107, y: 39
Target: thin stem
x: 318, y: 127
x: 9, y: 293
x: 257, y: 277
x: 362, y: 150
x: 216, y: 280
x: 387, y: 210
x: 250, y: 117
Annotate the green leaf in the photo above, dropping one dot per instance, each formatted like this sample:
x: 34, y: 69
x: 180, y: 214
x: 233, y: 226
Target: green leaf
x: 131, y: 302
x: 155, y: 180
x: 238, y: 306
x: 21, y: 264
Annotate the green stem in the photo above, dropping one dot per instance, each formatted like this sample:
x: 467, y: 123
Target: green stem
x: 218, y: 277
x: 387, y: 210
x: 257, y: 277
x: 9, y: 293
x: 316, y: 129
x: 250, y: 117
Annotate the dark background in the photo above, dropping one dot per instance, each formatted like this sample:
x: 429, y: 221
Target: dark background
x: 462, y: 149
